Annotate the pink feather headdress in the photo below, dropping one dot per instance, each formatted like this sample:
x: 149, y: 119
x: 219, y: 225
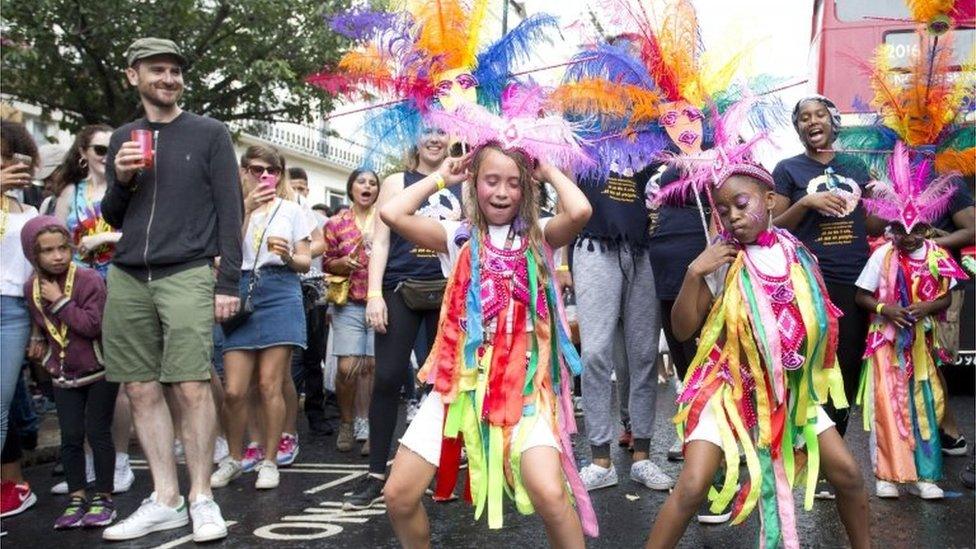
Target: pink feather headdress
x: 524, y: 124
x: 730, y: 155
x: 907, y: 198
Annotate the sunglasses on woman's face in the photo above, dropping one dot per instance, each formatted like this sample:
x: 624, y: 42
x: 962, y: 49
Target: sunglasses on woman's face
x: 258, y: 171
x: 100, y: 150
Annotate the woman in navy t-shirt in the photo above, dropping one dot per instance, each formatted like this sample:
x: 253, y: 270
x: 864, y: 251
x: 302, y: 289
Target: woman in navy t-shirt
x: 818, y: 200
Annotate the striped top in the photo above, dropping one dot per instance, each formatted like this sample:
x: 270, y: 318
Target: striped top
x: 342, y: 236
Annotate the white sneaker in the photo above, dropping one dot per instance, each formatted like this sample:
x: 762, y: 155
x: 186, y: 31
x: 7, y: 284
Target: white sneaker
x: 123, y: 478
x: 595, y: 477
x: 885, y: 489
x: 208, y: 523
x: 647, y: 472
x: 268, y: 476
x: 149, y: 517
x: 61, y: 488
x: 360, y: 429
x: 221, y: 450
x: 228, y: 470
x: 928, y: 490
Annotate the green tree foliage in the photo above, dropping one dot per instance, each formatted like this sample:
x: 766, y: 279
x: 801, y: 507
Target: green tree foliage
x: 247, y: 59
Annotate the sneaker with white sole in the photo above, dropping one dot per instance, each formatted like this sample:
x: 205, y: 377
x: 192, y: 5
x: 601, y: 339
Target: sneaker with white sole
x: 123, y: 478
x: 208, y: 523
x: 926, y: 490
x: 885, y: 489
x: 221, y: 450
x: 287, y: 449
x: 148, y: 518
x: 228, y: 470
x: 647, y: 472
x: 268, y: 476
x: 707, y: 516
x: 595, y: 477
x: 253, y: 455
x: 360, y: 429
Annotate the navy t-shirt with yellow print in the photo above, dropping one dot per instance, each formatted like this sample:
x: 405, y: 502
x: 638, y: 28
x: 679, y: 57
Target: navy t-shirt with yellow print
x: 619, y: 210
x: 839, y: 243
x: 409, y: 261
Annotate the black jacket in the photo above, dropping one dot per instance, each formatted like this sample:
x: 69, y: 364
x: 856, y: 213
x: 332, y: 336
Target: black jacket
x: 183, y: 211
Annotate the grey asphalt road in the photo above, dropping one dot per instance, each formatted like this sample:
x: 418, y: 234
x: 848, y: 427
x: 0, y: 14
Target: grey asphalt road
x: 305, y: 510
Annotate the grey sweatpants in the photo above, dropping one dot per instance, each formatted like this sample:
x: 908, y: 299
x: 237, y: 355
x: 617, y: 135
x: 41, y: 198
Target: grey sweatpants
x: 615, y: 291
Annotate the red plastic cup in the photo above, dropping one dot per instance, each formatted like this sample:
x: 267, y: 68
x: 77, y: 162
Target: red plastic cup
x: 145, y: 140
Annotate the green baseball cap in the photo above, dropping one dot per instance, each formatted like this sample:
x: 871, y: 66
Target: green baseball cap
x: 149, y: 47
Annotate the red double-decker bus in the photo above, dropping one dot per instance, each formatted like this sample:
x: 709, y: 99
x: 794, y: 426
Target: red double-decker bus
x: 845, y: 28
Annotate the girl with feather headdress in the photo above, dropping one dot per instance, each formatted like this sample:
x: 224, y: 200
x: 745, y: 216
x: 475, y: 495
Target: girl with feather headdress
x: 906, y: 283
x: 766, y: 359
x: 408, y: 63
x: 501, y: 364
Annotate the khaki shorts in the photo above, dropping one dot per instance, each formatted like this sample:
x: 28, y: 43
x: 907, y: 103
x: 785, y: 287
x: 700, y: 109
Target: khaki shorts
x: 160, y: 330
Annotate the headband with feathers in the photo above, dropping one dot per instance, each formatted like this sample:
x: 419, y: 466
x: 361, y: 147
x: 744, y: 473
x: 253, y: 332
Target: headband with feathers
x: 908, y: 198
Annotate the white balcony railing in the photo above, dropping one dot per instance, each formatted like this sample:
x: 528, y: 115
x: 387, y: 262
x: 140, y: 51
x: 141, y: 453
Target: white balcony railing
x: 306, y: 140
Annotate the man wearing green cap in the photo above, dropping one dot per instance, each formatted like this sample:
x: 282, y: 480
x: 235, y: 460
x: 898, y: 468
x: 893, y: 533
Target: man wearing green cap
x: 178, y: 204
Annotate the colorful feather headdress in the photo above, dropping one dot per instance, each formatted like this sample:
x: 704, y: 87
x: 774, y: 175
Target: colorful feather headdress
x: 631, y: 88
x: 908, y: 198
x: 524, y: 125
x: 407, y: 62
x: 921, y: 106
x: 730, y: 155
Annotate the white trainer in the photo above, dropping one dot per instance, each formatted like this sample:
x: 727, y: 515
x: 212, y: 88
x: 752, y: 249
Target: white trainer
x: 647, y: 472
x: 208, y: 523
x: 885, y: 489
x: 928, y: 490
x: 268, y: 476
x: 595, y: 477
x: 360, y: 429
x: 149, y: 517
x: 228, y: 470
x: 221, y: 450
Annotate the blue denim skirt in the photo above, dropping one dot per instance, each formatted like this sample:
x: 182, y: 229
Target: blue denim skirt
x: 278, y: 318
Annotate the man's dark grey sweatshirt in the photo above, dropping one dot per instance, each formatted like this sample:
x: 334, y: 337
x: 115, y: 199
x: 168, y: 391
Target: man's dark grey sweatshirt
x: 186, y: 209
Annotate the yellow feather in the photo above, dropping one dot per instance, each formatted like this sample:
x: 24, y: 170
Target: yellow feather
x: 475, y: 22
x: 926, y: 10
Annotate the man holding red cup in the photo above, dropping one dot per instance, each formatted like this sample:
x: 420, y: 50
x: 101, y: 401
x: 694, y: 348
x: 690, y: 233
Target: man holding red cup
x: 174, y: 192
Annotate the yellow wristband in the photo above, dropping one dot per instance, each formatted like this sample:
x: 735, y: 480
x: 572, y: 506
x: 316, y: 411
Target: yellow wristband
x: 439, y: 181
x: 879, y: 307
x: 562, y: 268
x: 374, y: 293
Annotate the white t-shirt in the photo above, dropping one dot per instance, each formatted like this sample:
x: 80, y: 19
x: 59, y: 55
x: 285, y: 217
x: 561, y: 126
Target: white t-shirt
x: 870, y: 277
x: 290, y: 223
x: 14, y: 267
x: 770, y: 260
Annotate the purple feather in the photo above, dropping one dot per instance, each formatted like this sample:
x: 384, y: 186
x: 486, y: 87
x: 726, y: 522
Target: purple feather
x: 361, y: 24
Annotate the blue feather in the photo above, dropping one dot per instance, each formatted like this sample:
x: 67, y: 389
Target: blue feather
x: 496, y: 62
x: 612, y: 63
x: 389, y: 133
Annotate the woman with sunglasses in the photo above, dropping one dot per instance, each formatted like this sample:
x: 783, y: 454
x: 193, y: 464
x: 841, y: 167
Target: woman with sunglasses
x: 276, y: 244
x: 80, y: 185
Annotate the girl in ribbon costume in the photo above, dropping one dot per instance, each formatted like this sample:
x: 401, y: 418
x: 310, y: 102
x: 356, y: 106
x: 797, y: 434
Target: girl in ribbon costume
x: 502, y: 362
x: 765, y: 363
x: 906, y: 284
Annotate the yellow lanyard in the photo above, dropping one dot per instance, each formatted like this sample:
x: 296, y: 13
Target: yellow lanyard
x: 59, y: 333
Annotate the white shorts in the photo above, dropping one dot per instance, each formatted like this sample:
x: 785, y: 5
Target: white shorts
x: 707, y: 428
x: 424, y: 435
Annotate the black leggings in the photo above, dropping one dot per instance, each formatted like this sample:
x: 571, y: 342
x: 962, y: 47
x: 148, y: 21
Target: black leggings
x: 392, y: 371
x: 86, y: 412
x: 852, y: 333
x: 682, y: 352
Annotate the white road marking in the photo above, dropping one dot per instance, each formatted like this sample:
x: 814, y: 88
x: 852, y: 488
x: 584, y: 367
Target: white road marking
x: 186, y: 539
